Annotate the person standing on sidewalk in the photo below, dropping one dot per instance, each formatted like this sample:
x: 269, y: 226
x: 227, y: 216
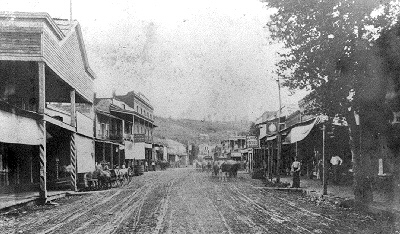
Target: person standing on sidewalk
x: 296, y: 166
x: 153, y: 165
x: 336, y: 161
x: 319, y: 169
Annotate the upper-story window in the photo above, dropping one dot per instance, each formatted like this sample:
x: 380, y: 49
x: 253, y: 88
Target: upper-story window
x: 102, y: 129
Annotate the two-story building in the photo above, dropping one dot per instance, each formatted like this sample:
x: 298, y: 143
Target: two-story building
x: 233, y: 147
x: 43, y: 66
x: 143, y: 122
x: 108, y: 139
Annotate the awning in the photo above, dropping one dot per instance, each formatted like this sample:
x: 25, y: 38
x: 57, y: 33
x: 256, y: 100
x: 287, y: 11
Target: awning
x: 298, y: 133
x: 236, y: 154
x: 271, y: 138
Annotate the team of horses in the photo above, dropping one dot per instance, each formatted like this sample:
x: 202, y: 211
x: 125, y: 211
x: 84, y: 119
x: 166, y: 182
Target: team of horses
x: 104, y: 178
x: 221, y: 169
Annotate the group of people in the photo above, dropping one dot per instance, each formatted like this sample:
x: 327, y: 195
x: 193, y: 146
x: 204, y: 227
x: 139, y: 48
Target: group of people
x: 153, y: 165
x: 335, y: 161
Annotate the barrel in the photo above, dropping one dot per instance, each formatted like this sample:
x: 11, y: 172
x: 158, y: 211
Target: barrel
x: 138, y: 169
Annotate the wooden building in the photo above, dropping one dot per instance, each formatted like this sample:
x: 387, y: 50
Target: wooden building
x: 143, y: 122
x: 109, y: 141
x: 45, y: 77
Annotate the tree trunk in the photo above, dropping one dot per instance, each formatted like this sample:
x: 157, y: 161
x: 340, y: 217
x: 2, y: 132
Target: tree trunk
x: 395, y: 196
x: 362, y: 183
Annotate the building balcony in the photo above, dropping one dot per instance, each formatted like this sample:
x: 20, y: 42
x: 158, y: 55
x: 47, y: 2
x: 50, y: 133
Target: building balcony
x: 149, y: 139
x: 116, y: 135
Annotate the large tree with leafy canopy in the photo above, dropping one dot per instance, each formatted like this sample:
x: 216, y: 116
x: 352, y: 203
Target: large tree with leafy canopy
x: 330, y: 48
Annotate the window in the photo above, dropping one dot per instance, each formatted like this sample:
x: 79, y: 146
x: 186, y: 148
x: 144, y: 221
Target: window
x: 102, y: 130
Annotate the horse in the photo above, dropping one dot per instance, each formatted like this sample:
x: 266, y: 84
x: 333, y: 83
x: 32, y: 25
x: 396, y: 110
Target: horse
x: 122, y: 175
x: 229, y: 169
x: 92, y: 180
x: 209, y: 166
x: 103, y: 176
x: 216, y: 168
x: 199, y: 165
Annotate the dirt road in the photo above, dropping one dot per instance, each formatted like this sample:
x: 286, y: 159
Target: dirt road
x: 187, y: 201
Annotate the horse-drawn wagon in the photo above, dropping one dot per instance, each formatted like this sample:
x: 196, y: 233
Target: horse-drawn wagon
x: 103, y: 177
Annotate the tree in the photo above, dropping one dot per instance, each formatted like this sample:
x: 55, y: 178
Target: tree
x: 254, y: 130
x: 330, y: 48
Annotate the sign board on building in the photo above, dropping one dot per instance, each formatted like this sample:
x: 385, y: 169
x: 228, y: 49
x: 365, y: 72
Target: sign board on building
x: 139, y: 150
x: 252, y: 141
x: 139, y: 138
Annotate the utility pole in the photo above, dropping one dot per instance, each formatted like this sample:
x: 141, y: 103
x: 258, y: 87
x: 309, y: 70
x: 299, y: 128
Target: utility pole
x: 325, y: 191
x: 70, y: 12
x: 278, y: 137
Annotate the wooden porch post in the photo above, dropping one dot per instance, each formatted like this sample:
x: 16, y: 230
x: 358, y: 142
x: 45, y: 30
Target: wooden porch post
x: 119, y: 156
x: 271, y: 160
x: 73, y: 159
x: 42, y: 126
x: 112, y: 156
x: 104, y: 151
x: 73, y: 108
x: 73, y: 156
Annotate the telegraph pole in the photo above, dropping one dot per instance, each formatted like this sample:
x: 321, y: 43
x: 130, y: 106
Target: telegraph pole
x: 278, y: 137
x: 324, y: 175
x: 70, y: 12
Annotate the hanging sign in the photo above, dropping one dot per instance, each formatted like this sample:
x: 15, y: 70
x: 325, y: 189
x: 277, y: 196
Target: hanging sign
x: 252, y: 141
x: 139, y: 138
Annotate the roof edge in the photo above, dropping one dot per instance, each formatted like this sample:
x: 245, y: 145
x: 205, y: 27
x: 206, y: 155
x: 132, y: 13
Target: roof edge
x: 35, y: 15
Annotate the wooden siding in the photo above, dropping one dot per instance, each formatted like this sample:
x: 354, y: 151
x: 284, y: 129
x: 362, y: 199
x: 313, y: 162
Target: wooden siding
x: 65, y: 58
x: 84, y: 154
x: 20, y: 44
x: 84, y: 125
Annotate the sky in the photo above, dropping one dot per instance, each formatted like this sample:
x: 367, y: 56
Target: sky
x: 209, y: 59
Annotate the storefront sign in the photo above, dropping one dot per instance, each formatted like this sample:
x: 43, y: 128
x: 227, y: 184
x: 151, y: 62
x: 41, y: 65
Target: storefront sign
x: 139, y: 138
x: 252, y: 141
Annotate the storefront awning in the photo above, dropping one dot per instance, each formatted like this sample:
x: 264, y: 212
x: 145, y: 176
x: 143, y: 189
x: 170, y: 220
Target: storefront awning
x: 270, y: 138
x: 236, y: 154
x: 298, y: 133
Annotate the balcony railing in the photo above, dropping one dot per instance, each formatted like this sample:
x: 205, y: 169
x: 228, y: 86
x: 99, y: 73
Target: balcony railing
x: 116, y: 135
x: 149, y: 139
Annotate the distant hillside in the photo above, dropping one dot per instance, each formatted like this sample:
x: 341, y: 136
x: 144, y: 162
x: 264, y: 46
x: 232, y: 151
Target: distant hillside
x: 184, y: 130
